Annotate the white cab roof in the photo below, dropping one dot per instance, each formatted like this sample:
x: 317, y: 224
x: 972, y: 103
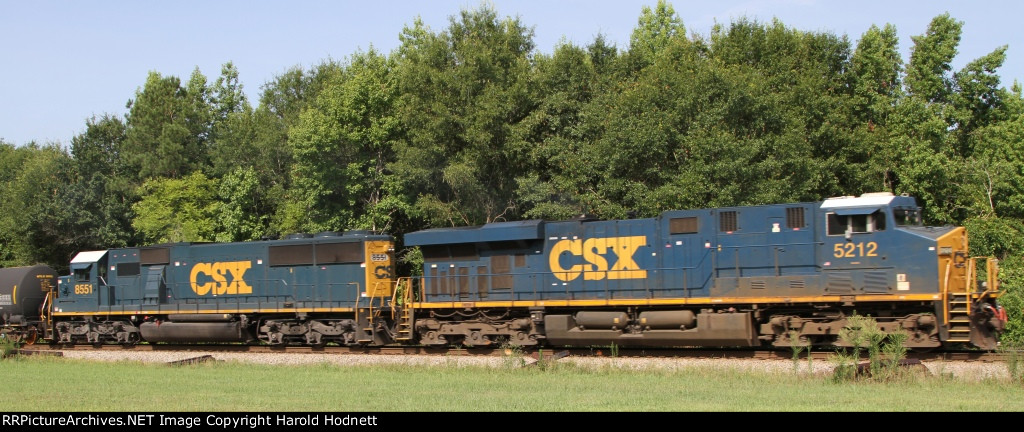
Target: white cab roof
x: 867, y: 200
x: 88, y: 257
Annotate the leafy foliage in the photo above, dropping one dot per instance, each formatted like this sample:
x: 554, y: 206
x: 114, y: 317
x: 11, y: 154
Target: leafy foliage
x: 460, y: 92
x: 177, y: 210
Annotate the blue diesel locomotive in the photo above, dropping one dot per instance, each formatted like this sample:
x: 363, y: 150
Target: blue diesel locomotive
x: 304, y: 289
x: 739, y: 276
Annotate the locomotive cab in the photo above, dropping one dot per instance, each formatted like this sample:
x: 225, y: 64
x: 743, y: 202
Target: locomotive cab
x: 868, y: 248
x: 79, y: 290
x: 876, y: 249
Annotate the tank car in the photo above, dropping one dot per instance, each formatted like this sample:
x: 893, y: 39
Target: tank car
x: 773, y: 275
x: 308, y: 289
x: 24, y: 292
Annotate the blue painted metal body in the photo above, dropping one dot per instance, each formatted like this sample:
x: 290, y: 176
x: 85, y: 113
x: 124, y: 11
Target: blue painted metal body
x: 300, y: 274
x: 841, y: 246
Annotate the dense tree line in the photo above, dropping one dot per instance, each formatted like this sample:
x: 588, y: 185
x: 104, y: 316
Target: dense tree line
x: 472, y: 124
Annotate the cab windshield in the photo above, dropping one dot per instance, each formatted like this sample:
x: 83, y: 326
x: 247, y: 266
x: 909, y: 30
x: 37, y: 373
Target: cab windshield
x: 907, y: 216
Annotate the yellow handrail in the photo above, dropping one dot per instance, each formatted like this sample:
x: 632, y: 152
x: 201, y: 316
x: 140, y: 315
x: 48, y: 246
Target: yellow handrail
x: 945, y: 294
x: 406, y: 286
x: 992, y: 268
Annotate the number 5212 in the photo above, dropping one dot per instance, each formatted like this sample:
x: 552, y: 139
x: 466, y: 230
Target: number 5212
x: 854, y: 250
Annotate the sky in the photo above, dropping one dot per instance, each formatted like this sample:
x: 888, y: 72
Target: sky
x: 63, y: 62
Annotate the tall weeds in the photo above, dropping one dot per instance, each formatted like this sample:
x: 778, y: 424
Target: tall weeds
x: 885, y: 351
x: 8, y: 346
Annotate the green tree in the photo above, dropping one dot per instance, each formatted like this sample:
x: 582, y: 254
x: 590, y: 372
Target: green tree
x: 930, y: 58
x: 556, y: 175
x: 655, y: 29
x: 12, y: 159
x: 232, y: 128
x: 978, y: 100
x: 243, y: 211
x: 875, y: 69
x: 102, y: 190
x: 267, y: 150
x: 33, y: 226
x: 342, y: 146
x: 927, y: 169
x: 226, y: 95
x: 168, y: 127
x: 461, y: 91
x: 176, y: 210
x: 937, y: 125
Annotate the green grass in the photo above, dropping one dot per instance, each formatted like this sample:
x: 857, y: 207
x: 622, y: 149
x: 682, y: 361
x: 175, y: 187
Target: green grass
x: 56, y: 384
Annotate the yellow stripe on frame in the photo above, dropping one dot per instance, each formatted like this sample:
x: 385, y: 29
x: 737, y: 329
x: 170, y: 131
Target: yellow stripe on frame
x: 204, y: 311
x: 674, y: 301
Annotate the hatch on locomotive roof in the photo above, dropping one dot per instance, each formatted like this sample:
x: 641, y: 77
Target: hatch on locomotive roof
x: 88, y: 257
x: 872, y: 199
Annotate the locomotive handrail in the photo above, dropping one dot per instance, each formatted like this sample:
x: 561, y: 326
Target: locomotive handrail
x: 945, y: 293
x: 813, y: 243
x: 355, y: 306
x: 536, y: 294
x: 992, y: 277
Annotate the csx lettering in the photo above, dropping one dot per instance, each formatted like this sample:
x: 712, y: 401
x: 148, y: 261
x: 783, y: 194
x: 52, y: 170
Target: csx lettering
x: 595, y: 265
x: 216, y: 278
x: 382, y: 272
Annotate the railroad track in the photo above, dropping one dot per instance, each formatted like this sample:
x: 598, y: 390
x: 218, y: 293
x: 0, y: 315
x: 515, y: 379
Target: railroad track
x: 681, y: 353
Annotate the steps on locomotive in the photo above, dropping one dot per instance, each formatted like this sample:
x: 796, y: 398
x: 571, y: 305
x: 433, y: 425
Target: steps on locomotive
x: 959, y: 318
x: 405, y: 325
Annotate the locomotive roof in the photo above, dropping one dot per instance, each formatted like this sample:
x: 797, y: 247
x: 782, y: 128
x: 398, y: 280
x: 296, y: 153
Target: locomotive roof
x: 88, y: 256
x: 533, y: 229
x: 495, y: 231
x: 866, y: 200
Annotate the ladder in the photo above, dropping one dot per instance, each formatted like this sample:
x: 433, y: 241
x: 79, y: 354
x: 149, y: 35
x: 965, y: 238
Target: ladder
x: 958, y: 304
x: 958, y: 316
x: 368, y: 317
x: 403, y: 300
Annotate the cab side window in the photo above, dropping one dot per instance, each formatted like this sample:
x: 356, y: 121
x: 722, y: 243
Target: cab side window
x: 82, y: 275
x: 855, y: 223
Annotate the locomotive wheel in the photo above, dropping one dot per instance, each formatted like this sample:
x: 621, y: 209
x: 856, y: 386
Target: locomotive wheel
x: 315, y: 340
x: 133, y: 339
x: 31, y: 338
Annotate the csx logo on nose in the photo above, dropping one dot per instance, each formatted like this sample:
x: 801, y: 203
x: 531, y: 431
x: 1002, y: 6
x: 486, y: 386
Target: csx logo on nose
x: 207, y: 277
x: 596, y: 265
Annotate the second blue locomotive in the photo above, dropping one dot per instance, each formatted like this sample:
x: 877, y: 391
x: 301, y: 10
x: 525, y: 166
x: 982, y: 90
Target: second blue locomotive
x: 741, y: 276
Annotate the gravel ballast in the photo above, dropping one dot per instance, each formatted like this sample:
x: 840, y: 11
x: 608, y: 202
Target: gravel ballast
x: 971, y: 371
